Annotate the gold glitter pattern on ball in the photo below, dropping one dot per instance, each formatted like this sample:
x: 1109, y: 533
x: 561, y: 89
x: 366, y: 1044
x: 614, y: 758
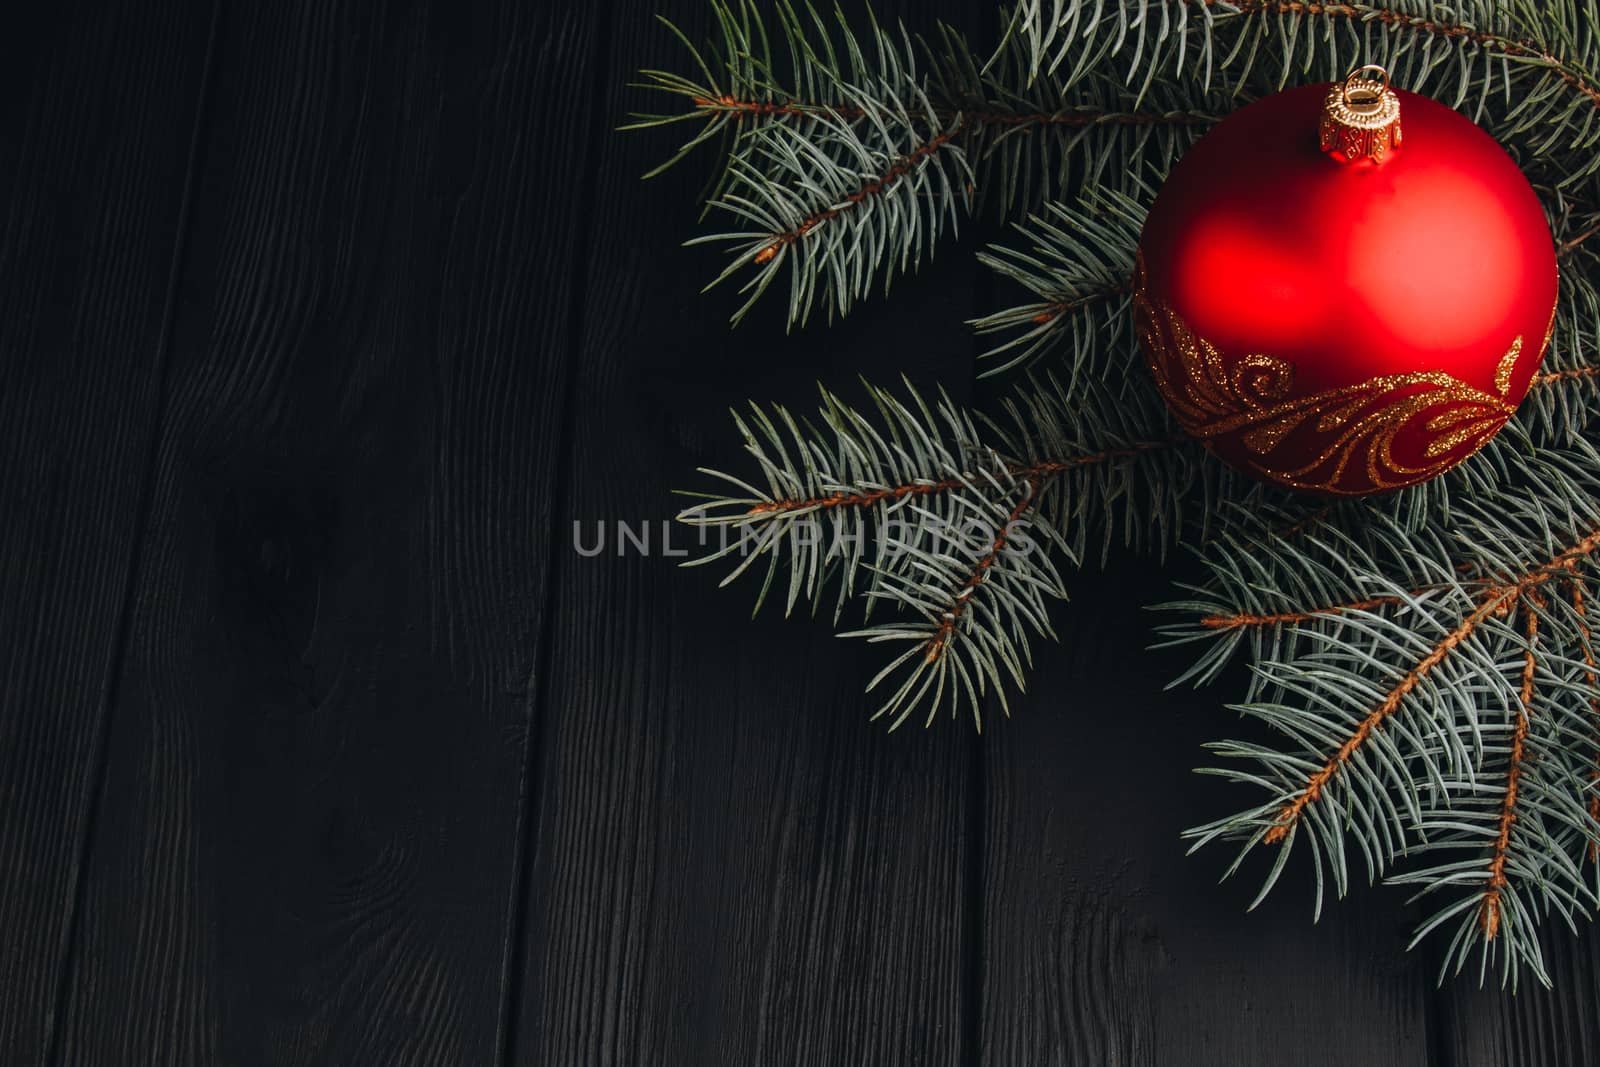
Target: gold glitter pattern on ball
x: 1356, y: 426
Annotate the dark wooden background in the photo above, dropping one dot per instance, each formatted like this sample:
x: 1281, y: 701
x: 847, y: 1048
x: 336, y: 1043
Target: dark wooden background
x: 321, y: 323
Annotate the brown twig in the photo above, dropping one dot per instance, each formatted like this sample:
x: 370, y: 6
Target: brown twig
x: 1508, y: 46
x: 740, y: 108
x: 853, y: 500
x: 1290, y: 813
x: 960, y: 120
x: 1234, y: 622
x: 1031, y: 477
x: 1057, y: 308
x: 1568, y: 246
x: 1030, y: 473
x: 1566, y: 375
x: 956, y: 121
x: 1489, y: 910
x: 872, y: 188
x: 1495, y: 600
x: 1077, y: 118
x: 941, y: 638
x: 1087, y: 117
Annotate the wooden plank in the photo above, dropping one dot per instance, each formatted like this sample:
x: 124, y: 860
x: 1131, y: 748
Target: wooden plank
x: 308, y: 841
x: 1535, y: 1027
x: 98, y: 106
x: 733, y: 866
x: 1103, y: 944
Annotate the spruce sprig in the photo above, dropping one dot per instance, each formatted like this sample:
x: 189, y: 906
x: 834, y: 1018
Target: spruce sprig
x: 1525, y: 68
x: 1429, y: 698
x: 952, y: 521
x: 847, y: 154
x: 1423, y: 680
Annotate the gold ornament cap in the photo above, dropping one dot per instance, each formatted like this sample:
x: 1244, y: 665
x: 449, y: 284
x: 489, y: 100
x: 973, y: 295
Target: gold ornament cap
x: 1361, y: 118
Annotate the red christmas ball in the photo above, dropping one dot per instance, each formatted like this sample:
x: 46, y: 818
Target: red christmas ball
x: 1338, y: 309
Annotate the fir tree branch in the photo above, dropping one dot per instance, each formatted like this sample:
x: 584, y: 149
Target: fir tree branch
x: 711, y: 108
x: 1089, y: 124
x: 1035, y: 472
x: 1570, y: 375
x: 937, y: 644
x: 1425, y: 690
x: 794, y: 120
x: 1388, y: 740
x: 1044, y: 31
x: 1591, y: 674
x: 1578, y: 80
x: 1077, y: 262
x: 869, y: 190
x: 1293, y: 618
x: 1564, y: 397
x: 966, y: 613
x: 1242, y: 620
x: 1524, y: 69
x: 806, y: 196
x: 1565, y: 249
x: 1493, y: 602
x: 1055, y: 309
x: 969, y: 118
x: 1489, y: 910
x: 1291, y: 812
x: 853, y: 500
x: 931, y: 511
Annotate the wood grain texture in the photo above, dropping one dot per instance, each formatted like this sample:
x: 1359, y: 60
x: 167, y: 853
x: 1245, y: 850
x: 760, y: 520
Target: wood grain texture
x: 1104, y: 945
x: 391, y: 773
x: 1534, y: 1027
x: 98, y: 105
x: 732, y: 865
x: 307, y: 846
